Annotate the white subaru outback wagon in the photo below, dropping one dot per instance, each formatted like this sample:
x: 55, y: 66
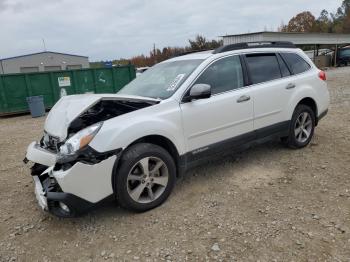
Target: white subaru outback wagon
x: 134, y: 144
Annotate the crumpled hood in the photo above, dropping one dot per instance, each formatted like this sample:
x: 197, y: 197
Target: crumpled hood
x: 70, y: 107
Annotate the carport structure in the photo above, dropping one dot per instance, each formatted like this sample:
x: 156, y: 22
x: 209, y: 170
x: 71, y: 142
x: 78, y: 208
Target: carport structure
x: 333, y: 40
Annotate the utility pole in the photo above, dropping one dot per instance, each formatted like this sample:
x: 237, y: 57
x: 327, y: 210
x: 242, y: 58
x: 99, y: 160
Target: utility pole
x: 44, y: 44
x: 154, y: 53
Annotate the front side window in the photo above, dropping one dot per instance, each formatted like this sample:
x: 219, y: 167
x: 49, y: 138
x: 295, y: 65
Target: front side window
x: 162, y: 80
x: 296, y: 63
x: 263, y: 67
x: 223, y: 75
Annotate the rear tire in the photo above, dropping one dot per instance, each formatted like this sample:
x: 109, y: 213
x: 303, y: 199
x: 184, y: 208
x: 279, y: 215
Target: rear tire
x: 145, y: 177
x: 301, y: 128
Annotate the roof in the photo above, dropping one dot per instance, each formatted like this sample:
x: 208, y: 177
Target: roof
x: 44, y: 52
x: 285, y: 33
x: 294, y: 37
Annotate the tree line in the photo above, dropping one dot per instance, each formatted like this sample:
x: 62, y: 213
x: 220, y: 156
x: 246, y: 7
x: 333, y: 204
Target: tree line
x: 326, y: 22
x: 158, y: 55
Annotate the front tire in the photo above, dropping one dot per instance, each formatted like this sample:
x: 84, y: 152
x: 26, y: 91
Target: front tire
x: 302, y: 127
x: 145, y: 177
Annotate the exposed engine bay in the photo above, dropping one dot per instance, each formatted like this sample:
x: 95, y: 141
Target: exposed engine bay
x: 104, y: 110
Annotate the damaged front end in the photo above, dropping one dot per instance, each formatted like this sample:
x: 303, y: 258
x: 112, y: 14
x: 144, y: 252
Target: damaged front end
x: 83, y: 128
x: 74, y: 191
x: 106, y: 109
x: 69, y: 175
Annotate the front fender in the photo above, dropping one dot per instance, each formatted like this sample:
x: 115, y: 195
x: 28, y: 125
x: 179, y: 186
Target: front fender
x: 120, y: 132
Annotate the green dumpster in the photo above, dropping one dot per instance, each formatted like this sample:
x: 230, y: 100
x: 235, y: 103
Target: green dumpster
x: 15, y: 88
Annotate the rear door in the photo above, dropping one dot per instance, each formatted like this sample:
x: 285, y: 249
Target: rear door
x: 272, y: 87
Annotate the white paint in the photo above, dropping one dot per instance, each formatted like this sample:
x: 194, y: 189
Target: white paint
x: 36, y: 154
x: 90, y: 182
x: 218, y: 118
x: 39, y: 193
x: 70, y: 107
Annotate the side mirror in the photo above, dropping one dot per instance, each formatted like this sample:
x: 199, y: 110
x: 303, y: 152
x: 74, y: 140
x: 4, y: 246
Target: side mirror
x: 199, y: 91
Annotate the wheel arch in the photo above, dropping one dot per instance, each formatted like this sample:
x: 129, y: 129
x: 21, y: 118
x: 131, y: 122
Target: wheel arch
x: 310, y: 102
x: 165, y: 143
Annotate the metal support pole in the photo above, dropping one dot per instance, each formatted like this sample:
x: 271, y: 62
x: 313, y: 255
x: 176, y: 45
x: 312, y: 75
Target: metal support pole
x: 335, y: 55
x: 2, y: 68
x: 314, y: 53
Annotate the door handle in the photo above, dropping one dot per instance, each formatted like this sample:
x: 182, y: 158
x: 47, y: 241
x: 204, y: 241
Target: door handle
x: 243, y: 99
x: 290, y: 86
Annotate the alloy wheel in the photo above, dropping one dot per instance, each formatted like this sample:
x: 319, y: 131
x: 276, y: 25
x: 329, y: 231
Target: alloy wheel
x: 303, y: 127
x: 147, y: 180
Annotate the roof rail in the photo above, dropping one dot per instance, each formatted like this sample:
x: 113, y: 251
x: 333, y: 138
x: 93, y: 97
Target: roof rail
x: 247, y: 45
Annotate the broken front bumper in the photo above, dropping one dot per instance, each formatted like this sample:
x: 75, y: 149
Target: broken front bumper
x: 72, y: 189
x: 58, y: 203
x: 40, y: 193
x: 36, y: 154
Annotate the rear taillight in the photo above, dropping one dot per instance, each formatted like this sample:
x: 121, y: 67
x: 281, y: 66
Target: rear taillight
x: 322, y: 75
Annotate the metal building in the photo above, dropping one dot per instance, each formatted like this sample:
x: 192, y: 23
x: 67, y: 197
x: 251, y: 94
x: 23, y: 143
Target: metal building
x: 43, y: 61
x: 296, y: 38
x: 333, y: 40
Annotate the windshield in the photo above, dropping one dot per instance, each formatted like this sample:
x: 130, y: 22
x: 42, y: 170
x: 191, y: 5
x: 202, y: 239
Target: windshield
x: 345, y: 52
x: 161, y: 80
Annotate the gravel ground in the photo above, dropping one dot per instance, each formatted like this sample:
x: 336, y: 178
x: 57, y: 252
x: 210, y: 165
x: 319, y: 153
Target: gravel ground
x: 268, y: 203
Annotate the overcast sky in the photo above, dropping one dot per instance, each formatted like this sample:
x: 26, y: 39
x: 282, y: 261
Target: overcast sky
x: 109, y: 29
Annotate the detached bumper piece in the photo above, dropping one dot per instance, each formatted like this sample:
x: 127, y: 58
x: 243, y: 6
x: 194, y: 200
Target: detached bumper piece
x: 36, y: 154
x: 51, y: 198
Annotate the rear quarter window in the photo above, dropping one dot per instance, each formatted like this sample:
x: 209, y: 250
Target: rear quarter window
x: 296, y: 63
x: 284, y: 69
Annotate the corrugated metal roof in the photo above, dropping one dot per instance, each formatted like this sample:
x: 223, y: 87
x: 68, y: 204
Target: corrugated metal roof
x: 274, y: 32
x: 253, y: 33
x: 294, y: 37
x: 38, y: 53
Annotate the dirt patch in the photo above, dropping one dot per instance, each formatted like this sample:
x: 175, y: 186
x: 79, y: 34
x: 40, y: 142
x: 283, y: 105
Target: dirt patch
x: 268, y: 203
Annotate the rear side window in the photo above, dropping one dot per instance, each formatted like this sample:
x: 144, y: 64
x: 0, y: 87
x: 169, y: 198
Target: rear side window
x: 263, y: 67
x: 296, y: 63
x: 223, y: 75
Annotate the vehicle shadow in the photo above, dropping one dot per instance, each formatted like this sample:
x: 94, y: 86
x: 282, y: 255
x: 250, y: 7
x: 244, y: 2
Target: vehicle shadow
x: 226, y: 166
x: 207, y: 171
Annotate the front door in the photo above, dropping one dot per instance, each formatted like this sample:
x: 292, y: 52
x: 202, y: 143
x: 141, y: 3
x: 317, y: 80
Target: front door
x: 223, y: 120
